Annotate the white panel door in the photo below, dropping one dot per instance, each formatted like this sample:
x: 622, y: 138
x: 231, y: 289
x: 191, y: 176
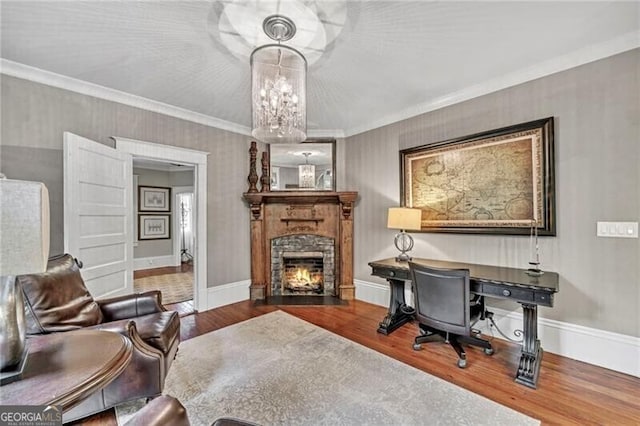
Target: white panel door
x: 98, y: 215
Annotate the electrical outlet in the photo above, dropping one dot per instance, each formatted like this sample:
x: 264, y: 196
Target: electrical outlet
x: 617, y: 229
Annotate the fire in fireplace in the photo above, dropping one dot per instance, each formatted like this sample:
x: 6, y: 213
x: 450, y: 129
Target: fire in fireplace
x: 291, y: 255
x: 303, y: 273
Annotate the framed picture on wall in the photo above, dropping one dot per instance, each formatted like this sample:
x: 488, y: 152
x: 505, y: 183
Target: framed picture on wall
x: 495, y: 182
x: 154, y: 227
x: 154, y: 199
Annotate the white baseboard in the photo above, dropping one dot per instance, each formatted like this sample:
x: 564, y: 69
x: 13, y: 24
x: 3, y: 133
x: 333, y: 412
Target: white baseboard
x: 153, y: 262
x: 374, y: 293
x: 603, y: 348
x: 227, y: 294
x: 614, y: 351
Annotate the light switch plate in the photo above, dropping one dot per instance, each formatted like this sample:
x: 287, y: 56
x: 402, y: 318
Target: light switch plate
x: 617, y: 229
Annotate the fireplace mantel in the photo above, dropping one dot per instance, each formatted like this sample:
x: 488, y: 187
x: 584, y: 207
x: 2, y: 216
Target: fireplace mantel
x: 321, y: 213
x: 256, y: 199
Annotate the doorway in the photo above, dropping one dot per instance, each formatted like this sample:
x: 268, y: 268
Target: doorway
x: 198, y: 160
x: 164, y: 262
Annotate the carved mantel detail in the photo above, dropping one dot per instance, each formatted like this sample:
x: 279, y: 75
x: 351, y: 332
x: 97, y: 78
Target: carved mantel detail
x: 255, y: 204
x: 322, y: 213
x: 253, y: 175
x: 346, y: 202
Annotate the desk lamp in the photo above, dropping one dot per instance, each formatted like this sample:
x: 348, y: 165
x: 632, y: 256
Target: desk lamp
x: 404, y: 219
x: 24, y: 249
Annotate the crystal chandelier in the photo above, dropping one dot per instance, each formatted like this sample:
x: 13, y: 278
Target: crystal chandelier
x: 306, y: 173
x: 278, y: 89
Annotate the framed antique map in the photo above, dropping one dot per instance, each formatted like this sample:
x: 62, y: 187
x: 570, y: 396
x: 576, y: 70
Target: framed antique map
x: 497, y: 182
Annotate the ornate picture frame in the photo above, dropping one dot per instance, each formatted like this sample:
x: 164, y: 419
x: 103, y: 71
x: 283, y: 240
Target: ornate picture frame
x: 154, y: 227
x: 496, y: 182
x: 154, y: 199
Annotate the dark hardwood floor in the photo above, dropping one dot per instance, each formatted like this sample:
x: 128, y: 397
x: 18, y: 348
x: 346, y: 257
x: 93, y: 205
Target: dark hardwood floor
x: 569, y: 392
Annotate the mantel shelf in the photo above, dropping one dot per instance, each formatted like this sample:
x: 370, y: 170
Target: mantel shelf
x: 300, y: 197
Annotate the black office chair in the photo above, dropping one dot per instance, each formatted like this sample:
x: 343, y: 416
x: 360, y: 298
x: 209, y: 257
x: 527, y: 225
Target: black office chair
x: 444, y: 308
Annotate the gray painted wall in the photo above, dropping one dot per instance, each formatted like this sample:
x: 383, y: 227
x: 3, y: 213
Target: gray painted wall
x: 34, y: 117
x: 148, y: 177
x: 596, y: 109
x: 182, y: 178
x: 152, y: 248
x: 288, y: 175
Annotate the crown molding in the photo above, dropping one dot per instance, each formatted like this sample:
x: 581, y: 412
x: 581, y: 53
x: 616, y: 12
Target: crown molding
x: 37, y: 75
x: 579, y: 57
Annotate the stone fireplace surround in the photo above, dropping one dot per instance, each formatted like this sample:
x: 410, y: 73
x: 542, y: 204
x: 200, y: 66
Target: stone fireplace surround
x: 302, y: 246
x: 309, y: 214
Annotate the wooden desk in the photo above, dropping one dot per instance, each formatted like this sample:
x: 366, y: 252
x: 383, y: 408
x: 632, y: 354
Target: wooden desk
x: 65, y: 368
x: 491, y: 281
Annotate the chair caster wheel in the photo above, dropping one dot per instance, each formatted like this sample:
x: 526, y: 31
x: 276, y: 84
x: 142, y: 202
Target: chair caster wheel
x: 488, y: 351
x: 462, y: 363
x: 417, y: 346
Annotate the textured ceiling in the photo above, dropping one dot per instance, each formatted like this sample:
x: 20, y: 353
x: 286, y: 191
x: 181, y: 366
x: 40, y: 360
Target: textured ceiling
x: 388, y: 60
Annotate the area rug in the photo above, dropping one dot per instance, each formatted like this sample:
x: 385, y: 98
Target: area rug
x: 174, y: 287
x: 276, y: 369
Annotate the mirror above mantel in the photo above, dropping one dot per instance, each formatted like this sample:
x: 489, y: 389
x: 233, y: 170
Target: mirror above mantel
x: 307, y: 166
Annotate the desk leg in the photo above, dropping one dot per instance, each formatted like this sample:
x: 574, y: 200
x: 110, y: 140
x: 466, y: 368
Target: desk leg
x: 531, y: 356
x: 399, y: 313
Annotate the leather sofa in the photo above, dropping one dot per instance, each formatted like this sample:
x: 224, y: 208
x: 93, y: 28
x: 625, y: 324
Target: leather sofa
x: 58, y: 301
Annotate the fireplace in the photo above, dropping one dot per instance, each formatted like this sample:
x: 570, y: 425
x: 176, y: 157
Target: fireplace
x: 296, y: 229
x: 302, y: 273
x: 302, y: 265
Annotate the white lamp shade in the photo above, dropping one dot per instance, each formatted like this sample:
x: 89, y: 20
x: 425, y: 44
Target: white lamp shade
x: 404, y: 218
x: 24, y: 227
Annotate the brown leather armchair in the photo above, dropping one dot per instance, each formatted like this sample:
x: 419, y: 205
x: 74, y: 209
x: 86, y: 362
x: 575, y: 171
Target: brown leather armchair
x: 58, y: 301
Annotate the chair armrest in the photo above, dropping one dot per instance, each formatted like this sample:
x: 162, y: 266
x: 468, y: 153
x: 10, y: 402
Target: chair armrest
x: 163, y: 410
x: 131, y: 306
x: 145, y: 374
x: 141, y: 349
